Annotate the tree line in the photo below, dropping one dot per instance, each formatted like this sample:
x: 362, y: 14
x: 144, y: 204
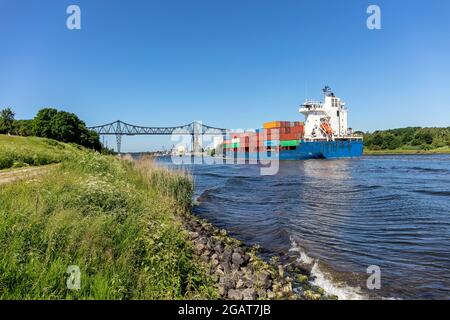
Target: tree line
x: 407, y: 138
x: 51, y: 123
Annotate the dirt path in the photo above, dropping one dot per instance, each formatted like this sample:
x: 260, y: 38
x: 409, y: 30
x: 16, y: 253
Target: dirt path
x: 23, y: 173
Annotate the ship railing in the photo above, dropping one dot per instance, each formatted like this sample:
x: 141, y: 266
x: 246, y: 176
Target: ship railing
x: 312, y: 104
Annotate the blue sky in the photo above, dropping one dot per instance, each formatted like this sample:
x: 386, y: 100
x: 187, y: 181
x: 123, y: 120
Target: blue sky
x: 232, y: 64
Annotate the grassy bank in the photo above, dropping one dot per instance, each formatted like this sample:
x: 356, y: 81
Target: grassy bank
x: 18, y: 151
x: 114, y: 219
x: 442, y: 150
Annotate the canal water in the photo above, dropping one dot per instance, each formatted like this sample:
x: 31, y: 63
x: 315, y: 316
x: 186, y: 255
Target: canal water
x: 340, y: 217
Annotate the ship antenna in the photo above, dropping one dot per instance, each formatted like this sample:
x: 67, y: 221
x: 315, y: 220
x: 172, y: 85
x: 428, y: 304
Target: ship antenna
x: 327, y: 91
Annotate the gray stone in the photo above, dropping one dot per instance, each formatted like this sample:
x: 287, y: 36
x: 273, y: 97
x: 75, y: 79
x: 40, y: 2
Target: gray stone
x: 214, y: 262
x: 234, y: 267
x: 263, y: 279
x: 210, y: 244
x: 234, y: 294
x: 281, y: 271
x: 219, y: 271
x: 218, y: 248
x: 226, y: 255
x: 237, y: 260
x: 240, y: 284
x: 227, y: 282
x: 193, y: 235
x: 199, y: 247
x: 262, y: 293
x: 249, y: 267
x: 248, y: 282
x: 249, y: 294
x: 226, y: 267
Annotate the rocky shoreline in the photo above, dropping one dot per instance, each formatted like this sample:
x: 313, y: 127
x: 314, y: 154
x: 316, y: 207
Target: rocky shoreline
x: 240, y: 274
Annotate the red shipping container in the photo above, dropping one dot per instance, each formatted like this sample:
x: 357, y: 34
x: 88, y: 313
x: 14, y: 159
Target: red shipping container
x: 297, y: 129
x: 288, y: 136
x: 291, y: 136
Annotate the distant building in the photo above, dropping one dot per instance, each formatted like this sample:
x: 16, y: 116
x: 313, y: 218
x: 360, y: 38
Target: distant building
x: 179, y: 150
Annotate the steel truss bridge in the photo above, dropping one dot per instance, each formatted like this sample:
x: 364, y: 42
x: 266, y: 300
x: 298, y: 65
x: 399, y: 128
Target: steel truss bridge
x: 194, y: 129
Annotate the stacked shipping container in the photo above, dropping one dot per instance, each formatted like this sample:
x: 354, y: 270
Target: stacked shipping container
x: 275, y: 136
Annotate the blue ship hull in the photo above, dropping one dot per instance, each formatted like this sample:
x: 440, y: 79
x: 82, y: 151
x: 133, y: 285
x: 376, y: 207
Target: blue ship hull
x: 307, y: 150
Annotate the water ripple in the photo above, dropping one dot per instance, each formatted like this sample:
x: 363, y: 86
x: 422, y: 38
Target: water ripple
x: 390, y: 211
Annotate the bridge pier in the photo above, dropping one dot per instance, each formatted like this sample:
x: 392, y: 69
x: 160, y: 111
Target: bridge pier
x: 193, y: 148
x: 119, y: 142
x: 224, y: 150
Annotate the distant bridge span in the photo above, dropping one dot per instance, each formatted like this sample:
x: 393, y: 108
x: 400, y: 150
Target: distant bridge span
x: 120, y: 128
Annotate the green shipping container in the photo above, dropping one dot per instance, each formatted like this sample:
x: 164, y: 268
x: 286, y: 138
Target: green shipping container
x: 231, y: 146
x: 289, y: 143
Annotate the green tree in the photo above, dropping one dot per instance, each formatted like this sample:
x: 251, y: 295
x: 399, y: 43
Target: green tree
x: 23, y: 128
x: 42, y: 126
x: 66, y: 127
x: 391, y: 141
x: 91, y: 139
x: 418, y: 137
x: 423, y: 137
x: 374, y: 141
x: 6, y: 120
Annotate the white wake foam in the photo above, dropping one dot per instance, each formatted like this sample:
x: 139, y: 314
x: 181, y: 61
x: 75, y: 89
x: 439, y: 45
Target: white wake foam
x: 325, y: 280
x: 341, y: 290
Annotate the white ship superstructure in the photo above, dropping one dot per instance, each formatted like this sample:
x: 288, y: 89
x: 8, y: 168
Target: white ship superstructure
x: 327, y: 120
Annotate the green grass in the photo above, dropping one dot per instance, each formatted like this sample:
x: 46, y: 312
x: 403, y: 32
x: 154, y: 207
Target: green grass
x: 114, y: 219
x: 18, y: 151
x: 410, y: 150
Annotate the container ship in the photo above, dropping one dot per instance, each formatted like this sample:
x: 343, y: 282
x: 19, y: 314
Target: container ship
x: 323, y: 135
